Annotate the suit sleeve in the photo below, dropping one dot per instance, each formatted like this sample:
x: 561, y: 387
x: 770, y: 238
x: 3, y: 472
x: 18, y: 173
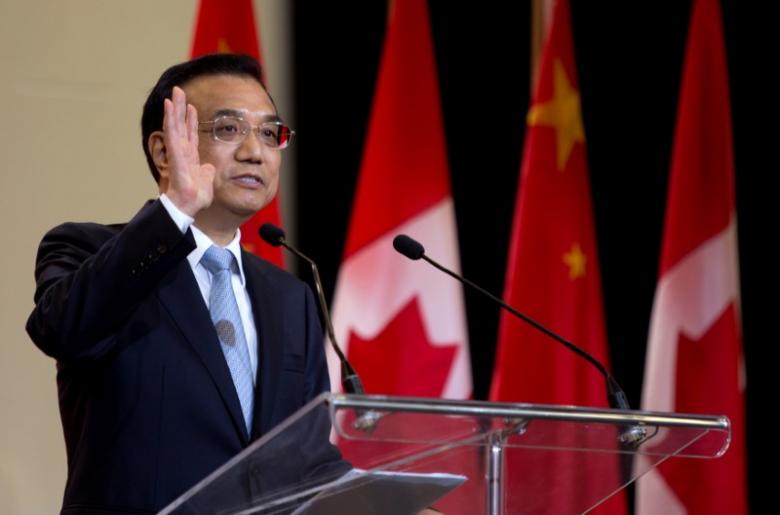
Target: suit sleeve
x: 90, y: 278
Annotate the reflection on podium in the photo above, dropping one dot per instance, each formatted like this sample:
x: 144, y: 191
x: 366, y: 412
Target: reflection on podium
x: 398, y: 455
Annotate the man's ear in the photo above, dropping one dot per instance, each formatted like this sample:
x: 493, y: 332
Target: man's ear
x: 156, y: 147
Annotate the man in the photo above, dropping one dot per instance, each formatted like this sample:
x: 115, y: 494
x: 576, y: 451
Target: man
x: 169, y: 364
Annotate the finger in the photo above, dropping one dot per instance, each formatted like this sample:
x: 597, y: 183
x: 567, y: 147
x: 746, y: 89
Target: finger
x: 180, y: 108
x: 168, y: 128
x: 167, y: 114
x: 192, y: 124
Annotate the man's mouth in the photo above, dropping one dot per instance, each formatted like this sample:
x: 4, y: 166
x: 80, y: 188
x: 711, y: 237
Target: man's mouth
x: 249, y: 181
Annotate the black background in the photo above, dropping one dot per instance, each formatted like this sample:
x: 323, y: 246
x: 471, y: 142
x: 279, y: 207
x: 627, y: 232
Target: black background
x: 629, y: 58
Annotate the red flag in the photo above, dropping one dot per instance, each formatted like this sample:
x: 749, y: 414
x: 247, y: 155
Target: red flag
x: 402, y: 322
x: 553, y: 273
x: 229, y: 26
x: 694, y: 356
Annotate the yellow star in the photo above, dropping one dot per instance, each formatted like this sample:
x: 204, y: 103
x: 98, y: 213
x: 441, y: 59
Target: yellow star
x: 562, y: 113
x: 576, y: 261
x: 223, y: 47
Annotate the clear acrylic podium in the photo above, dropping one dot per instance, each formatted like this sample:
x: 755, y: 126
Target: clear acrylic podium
x: 398, y: 455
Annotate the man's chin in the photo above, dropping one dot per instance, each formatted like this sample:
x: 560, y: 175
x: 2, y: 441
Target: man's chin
x: 247, y: 211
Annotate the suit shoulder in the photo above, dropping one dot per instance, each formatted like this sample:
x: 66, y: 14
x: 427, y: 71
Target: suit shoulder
x: 83, y: 231
x: 90, y: 235
x: 86, y: 236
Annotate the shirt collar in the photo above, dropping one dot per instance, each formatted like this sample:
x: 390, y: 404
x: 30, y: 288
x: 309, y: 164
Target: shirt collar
x: 203, y: 242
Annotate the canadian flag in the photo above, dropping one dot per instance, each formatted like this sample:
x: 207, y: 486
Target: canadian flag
x: 694, y: 356
x: 402, y: 323
x: 229, y: 27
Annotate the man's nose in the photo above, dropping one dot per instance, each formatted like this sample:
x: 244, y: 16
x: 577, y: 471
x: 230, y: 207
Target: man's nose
x: 252, y: 148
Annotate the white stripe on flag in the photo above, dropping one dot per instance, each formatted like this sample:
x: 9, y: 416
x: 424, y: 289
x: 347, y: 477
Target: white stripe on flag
x: 376, y: 282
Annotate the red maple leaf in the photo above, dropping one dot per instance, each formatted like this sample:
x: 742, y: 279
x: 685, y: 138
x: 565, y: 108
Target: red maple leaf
x: 401, y: 359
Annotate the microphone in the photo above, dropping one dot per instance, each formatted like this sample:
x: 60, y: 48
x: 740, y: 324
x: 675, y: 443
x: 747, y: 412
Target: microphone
x: 414, y: 250
x: 350, y: 380
x: 631, y: 436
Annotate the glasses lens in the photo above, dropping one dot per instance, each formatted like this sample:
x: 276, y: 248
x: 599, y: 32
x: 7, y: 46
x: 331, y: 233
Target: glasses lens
x: 275, y: 134
x: 269, y: 133
x: 285, y: 136
x: 229, y: 129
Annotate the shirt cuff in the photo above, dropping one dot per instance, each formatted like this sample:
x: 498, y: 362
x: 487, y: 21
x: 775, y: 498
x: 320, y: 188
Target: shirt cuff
x: 181, y: 219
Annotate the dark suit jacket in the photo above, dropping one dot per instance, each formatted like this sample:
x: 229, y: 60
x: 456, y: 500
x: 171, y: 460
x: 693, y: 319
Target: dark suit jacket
x: 146, y: 398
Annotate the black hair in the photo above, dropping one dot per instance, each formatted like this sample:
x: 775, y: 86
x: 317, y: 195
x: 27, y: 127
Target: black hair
x: 179, y: 75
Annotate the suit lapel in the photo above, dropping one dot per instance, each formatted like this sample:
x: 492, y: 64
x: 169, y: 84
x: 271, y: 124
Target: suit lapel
x: 180, y: 295
x: 268, y: 320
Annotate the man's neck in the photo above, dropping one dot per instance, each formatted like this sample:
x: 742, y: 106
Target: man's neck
x: 220, y: 233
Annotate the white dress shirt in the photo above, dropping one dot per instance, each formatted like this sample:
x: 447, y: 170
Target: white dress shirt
x: 203, y: 276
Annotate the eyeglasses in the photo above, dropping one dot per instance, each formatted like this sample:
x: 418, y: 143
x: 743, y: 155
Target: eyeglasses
x: 232, y: 129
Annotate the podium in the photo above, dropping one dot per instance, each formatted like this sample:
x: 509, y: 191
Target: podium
x: 376, y: 454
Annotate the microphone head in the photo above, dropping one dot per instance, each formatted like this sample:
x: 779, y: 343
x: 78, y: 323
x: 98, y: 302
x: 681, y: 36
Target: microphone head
x: 271, y: 234
x: 409, y: 247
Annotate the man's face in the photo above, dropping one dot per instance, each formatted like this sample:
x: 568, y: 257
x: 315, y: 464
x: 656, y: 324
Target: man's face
x: 247, y: 173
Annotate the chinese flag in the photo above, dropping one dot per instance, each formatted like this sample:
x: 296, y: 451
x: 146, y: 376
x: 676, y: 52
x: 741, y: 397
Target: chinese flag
x: 229, y: 26
x: 694, y: 356
x: 402, y: 322
x: 553, y: 276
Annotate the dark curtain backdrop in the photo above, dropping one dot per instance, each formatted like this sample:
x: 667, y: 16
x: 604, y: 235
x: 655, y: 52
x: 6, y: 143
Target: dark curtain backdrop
x: 629, y: 57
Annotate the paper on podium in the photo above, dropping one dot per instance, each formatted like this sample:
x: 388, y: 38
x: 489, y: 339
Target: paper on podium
x: 381, y: 493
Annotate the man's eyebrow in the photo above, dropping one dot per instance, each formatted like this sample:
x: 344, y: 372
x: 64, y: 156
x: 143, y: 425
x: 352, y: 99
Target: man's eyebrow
x: 242, y: 114
x: 229, y: 112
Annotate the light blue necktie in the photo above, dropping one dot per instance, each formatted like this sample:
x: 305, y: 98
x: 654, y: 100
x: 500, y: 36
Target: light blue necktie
x: 227, y: 321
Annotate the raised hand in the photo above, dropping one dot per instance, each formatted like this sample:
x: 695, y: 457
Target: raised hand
x: 191, y: 184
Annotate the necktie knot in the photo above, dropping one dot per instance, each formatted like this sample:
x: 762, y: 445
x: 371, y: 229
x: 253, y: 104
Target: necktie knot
x: 216, y: 259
